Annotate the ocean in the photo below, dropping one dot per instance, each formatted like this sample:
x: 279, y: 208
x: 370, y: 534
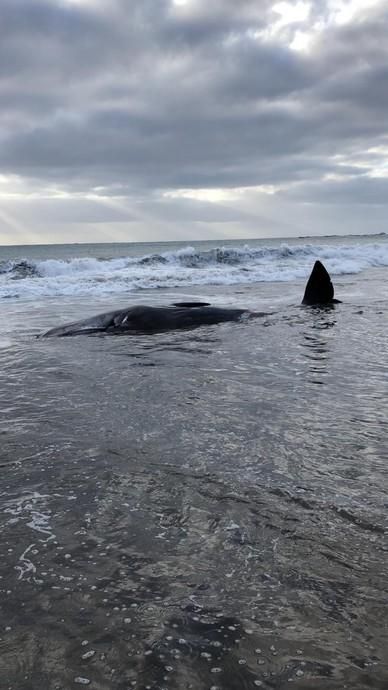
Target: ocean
x: 204, y: 508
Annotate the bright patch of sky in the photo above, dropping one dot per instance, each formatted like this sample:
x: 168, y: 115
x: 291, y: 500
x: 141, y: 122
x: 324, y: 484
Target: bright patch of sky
x: 298, y: 23
x: 218, y: 195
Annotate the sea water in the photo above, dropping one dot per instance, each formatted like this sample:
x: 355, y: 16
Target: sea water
x: 203, y: 508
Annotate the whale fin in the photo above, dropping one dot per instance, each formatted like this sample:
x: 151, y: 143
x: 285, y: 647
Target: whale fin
x: 319, y: 288
x: 191, y: 305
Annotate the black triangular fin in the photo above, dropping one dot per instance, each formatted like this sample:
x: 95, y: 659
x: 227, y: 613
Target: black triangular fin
x: 319, y: 288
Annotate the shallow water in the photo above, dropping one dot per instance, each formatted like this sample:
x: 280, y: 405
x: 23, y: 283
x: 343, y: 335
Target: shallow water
x: 198, y: 509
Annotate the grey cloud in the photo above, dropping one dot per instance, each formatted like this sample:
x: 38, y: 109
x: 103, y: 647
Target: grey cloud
x: 365, y: 89
x: 116, y: 149
x: 203, y: 22
x: 360, y: 43
x: 72, y: 210
x: 45, y: 36
x: 357, y: 191
x: 144, y: 96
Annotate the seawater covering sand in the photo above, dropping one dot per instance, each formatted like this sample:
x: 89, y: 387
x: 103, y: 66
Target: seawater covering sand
x: 196, y: 509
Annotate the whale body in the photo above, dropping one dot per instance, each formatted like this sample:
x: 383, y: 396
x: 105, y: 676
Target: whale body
x: 144, y: 319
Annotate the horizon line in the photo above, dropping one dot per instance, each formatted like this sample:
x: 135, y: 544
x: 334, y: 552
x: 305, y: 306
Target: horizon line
x: 189, y: 241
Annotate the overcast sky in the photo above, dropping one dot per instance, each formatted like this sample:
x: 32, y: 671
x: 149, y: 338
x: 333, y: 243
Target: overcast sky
x: 200, y: 119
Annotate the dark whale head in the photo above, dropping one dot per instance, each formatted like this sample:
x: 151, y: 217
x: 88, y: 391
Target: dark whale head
x: 319, y: 289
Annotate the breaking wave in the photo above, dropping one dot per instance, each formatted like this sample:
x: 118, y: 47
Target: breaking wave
x: 187, y: 266
x: 18, y: 268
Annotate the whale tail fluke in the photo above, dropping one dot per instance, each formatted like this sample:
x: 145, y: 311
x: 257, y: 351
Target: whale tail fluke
x: 319, y: 288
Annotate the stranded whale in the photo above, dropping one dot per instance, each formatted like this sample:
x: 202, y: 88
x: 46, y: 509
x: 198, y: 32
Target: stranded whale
x: 147, y: 319
x: 319, y: 291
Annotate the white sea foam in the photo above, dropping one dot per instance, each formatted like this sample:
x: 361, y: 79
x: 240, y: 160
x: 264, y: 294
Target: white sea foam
x: 26, y: 567
x: 183, y: 267
x: 30, y: 508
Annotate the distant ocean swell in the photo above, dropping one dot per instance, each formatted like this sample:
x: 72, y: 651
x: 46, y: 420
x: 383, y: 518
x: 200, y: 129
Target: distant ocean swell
x: 180, y: 268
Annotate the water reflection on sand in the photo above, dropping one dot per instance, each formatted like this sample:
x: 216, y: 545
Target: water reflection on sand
x: 194, y: 511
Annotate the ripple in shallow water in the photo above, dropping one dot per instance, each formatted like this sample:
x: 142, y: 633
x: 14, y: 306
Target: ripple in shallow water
x: 195, y: 511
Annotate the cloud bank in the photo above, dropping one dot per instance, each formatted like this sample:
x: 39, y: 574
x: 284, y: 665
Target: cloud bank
x: 173, y: 119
